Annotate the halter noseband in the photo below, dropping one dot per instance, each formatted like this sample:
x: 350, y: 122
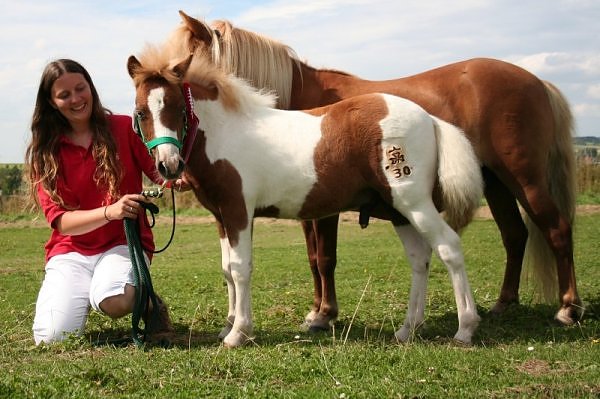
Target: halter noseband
x: 189, y: 132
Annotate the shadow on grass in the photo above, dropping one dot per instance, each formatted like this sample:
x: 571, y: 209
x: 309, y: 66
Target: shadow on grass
x: 519, y: 323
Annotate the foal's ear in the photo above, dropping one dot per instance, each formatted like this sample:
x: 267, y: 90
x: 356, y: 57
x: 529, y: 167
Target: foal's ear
x: 181, y: 69
x: 200, y: 31
x: 133, y: 66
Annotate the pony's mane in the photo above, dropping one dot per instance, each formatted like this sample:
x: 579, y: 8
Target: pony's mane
x: 235, y: 93
x: 264, y: 62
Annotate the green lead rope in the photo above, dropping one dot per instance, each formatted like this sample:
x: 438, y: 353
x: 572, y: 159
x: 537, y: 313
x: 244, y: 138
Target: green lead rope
x: 144, y: 292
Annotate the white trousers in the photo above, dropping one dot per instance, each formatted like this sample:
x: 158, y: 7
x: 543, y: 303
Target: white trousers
x: 74, y: 282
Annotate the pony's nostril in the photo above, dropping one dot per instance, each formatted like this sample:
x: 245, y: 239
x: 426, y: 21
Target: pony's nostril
x: 162, y: 169
x: 180, y: 167
x: 169, y: 173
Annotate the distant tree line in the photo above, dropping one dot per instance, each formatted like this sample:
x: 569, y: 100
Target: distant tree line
x: 10, y: 179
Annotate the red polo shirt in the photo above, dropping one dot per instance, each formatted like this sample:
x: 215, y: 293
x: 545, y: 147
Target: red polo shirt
x: 77, y: 188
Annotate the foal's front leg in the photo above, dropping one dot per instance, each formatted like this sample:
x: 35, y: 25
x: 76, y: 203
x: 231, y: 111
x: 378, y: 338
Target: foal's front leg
x: 225, y: 250
x: 240, y: 269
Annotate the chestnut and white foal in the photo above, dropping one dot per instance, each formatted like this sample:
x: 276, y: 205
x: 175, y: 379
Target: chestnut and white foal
x: 251, y: 160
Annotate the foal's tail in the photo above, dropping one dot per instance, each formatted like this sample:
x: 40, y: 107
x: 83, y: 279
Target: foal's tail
x: 459, y: 174
x: 561, y: 176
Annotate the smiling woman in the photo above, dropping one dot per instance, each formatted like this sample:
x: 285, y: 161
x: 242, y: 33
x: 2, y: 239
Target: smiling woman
x: 85, y: 170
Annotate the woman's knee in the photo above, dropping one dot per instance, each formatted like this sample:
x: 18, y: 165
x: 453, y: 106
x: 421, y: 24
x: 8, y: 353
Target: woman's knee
x: 119, y: 305
x: 55, y: 326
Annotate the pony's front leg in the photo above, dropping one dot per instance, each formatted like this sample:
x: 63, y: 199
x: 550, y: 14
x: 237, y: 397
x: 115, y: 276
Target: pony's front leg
x: 225, y: 250
x: 418, y: 253
x: 240, y: 268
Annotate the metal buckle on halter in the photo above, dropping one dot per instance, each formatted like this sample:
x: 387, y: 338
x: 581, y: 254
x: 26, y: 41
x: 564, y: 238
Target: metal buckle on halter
x: 154, y: 192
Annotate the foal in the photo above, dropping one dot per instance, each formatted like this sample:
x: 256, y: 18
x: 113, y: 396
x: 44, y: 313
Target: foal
x: 251, y: 160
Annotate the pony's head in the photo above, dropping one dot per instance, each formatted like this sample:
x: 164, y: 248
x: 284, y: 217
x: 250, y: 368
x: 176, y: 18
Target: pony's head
x: 160, y: 116
x: 265, y: 63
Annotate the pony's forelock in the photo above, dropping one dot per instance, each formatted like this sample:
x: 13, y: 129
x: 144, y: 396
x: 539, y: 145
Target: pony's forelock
x: 156, y: 63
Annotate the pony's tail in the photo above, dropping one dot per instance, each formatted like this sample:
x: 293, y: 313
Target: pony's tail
x: 540, y: 262
x: 459, y: 175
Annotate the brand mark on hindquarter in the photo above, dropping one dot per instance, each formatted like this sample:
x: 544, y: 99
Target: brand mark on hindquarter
x: 396, y: 162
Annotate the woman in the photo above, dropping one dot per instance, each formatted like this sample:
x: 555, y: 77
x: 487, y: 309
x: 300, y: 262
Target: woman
x: 85, y: 170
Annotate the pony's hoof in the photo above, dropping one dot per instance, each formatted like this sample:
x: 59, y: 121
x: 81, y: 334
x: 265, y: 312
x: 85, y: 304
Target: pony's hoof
x: 316, y: 323
x: 308, y: 319
x: 568, y: 316
x: 501, y: 306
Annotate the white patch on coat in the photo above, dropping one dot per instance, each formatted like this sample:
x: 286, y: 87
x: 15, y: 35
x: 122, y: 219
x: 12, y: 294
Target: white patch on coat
x: 283, y: 141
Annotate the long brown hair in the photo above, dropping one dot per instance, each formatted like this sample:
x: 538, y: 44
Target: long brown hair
x: 47, y: 127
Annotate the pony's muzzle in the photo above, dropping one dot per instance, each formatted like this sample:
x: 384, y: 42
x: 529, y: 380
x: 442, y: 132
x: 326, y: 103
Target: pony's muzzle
x: 170, y: 173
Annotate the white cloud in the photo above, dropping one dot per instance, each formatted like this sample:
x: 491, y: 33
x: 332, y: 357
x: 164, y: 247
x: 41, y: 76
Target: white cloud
x: 593, y: 91
x: 559, y: 62
x: 587, y: 109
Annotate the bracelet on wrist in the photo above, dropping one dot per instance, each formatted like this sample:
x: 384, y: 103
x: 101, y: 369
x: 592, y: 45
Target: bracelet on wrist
x: 105, y: 215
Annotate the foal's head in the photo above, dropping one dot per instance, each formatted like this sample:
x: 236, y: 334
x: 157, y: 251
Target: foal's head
x: 160, y: 110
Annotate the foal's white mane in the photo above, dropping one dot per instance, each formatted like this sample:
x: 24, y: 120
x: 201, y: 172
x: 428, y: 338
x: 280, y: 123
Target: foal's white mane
x: 236, y: 94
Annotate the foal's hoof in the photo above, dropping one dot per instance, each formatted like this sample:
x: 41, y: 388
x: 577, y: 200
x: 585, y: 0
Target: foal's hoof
x: 463, y: 339
x: 404, y: 334
x: 237, y: 339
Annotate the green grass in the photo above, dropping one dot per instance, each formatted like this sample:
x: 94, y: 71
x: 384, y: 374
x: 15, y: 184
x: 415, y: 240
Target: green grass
x: 522, y: 353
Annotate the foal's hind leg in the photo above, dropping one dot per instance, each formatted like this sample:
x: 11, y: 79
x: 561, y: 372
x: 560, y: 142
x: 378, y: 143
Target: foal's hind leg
x: 446, y: 244
x: 418, y: 252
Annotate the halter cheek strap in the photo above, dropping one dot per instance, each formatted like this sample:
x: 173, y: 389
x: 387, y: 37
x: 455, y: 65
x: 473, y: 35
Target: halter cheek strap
x: 189, y: 133
x: 192, y: 122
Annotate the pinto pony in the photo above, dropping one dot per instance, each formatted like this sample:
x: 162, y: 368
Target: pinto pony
x: 250, y: 159
x: 520, y: 128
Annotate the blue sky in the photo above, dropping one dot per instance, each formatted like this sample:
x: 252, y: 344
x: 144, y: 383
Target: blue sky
x: 558, y: 40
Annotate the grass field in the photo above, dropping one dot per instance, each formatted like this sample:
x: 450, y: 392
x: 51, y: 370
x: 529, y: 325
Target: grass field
x: 522, y: 353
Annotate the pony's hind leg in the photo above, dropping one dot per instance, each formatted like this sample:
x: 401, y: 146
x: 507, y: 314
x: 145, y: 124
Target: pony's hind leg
x: 321, y: 242
x: 418, y: 253
x: 446, y: 244
x: 513, y: 231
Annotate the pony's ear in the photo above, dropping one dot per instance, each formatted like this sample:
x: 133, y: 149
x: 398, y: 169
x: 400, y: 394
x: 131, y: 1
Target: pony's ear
x: 133, y: 66
x: 181, y: 69
x: 200, y: 31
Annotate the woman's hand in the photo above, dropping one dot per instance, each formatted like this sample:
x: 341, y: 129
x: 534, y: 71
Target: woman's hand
x: 180, y: 184
x: 81, y: 222
x: 128, y: 206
